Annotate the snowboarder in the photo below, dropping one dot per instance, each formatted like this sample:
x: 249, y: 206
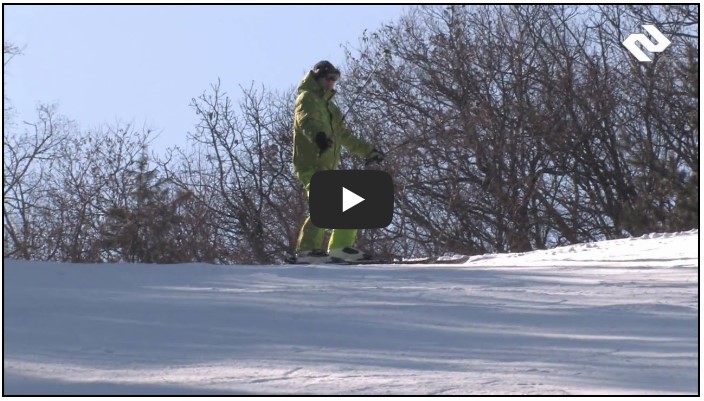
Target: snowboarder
x: 319, y: 133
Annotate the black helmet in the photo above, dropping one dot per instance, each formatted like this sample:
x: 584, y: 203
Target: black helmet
x: 323, y: 68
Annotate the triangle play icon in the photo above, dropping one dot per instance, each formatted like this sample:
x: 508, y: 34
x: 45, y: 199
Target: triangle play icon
x: 349, y: 199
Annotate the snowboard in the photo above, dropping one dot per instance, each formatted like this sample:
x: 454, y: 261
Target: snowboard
x: 455, y: 259
x: 291, y: 260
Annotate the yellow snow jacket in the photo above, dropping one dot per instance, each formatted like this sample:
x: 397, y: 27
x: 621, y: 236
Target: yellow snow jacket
x: 316, y: 112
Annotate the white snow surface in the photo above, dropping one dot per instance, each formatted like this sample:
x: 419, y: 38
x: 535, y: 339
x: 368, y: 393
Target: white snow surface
x: 613, y: 317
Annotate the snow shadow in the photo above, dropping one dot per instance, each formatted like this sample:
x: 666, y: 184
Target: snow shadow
x: 580, y: 331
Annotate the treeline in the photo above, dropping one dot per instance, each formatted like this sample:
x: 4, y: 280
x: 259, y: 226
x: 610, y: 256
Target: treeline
x: 507, y: 128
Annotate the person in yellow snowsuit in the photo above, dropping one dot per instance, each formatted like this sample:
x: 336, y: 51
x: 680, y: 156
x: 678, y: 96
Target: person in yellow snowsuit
x: 319, y: 134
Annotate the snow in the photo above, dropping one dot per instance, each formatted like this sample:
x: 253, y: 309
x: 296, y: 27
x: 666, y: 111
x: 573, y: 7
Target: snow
x: 613, y: 317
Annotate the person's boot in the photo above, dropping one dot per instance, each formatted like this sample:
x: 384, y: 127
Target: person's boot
x: 348, y: 254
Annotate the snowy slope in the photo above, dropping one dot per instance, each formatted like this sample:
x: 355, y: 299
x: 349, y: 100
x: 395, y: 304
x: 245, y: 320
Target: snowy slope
x: 616, y: 317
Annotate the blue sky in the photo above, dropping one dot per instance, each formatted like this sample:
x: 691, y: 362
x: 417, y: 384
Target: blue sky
x: 143, y: 64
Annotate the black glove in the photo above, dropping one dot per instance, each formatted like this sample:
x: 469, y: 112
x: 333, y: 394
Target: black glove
x: 375, y: 156
x: 323, y: 141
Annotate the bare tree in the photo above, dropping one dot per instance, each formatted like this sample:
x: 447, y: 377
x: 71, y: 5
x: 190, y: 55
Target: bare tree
x: 513, y: 128
x: 9, y: 51
x: 241, y: 168
x: 96, y: 174
x: 27, y: 162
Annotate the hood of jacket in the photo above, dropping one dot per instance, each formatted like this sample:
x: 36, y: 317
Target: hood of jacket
x: 310, y: 84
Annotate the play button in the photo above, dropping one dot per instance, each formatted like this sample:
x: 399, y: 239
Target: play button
x: 349, y: 199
